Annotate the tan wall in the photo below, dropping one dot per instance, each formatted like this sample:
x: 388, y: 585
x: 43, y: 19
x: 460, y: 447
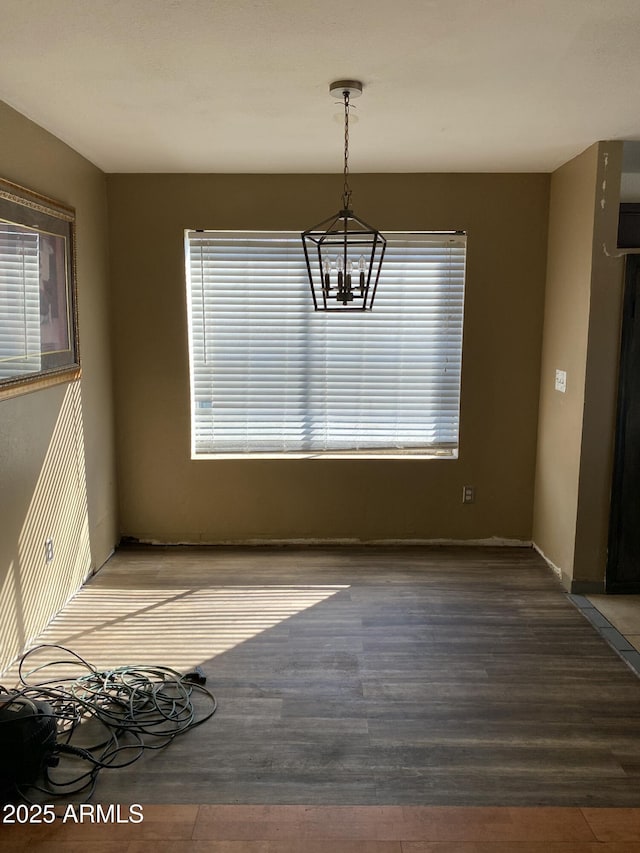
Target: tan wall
x: 581, y: 329
x: 165, y: 496
x: 56, y: 445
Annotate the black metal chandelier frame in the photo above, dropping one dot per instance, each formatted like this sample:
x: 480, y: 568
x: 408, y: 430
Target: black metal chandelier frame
x: 343, y: 253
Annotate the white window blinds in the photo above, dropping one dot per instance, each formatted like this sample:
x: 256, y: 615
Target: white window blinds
x: 270, y: 375
x: 19, y: 302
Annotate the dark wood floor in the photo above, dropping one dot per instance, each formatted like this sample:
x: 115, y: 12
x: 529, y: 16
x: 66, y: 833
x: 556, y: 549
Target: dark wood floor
x: 346, y: 676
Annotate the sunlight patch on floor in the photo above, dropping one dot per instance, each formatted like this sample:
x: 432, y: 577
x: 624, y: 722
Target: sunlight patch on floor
x: 179, y: 628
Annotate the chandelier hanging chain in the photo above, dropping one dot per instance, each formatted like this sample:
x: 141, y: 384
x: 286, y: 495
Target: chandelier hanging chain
x: 346, y: 195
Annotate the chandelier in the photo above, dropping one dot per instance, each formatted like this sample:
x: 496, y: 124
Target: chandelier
x: 344, y: 254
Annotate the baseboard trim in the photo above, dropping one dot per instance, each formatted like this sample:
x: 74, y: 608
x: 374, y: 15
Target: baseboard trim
x: 573, y: 586
x: 494, y: 541
x: 555, y: 569
x: 588, y: 587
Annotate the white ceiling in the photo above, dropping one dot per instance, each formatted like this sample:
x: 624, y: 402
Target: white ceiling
x: 242, y: 85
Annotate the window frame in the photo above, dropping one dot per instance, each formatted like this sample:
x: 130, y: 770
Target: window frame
x: 409, y: 453
x: 52, y: 223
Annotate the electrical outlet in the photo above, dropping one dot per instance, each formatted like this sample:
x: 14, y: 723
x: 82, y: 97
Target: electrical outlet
x: 561, y: 381
x: 468, y: 494
x: 48, y: 550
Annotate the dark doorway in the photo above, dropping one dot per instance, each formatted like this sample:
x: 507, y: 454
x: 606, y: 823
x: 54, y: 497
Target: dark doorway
x: 623, y: 564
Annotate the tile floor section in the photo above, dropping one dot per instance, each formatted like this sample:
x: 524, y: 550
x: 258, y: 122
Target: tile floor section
x: 617, y: 620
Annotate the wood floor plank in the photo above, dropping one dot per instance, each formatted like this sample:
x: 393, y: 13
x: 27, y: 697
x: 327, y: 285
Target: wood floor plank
x: 392, y: 823
x: 518, y: 847
x: 290, y: 824
x: 614, y: 824
x: 496, y: 825
x: 207, y: 846
x: 52, y: 845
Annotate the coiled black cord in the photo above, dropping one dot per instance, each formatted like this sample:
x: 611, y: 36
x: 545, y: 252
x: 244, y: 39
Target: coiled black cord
x: 134, y: 708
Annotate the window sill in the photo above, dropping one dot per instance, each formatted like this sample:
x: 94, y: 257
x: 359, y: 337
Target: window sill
x: 364, y: 455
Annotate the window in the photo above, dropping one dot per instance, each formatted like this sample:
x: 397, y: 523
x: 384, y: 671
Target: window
x: 270, y: 375
x: 19, y: 301
x: 38, y: 329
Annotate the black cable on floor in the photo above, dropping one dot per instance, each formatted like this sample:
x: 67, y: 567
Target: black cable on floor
x: 104, y: 719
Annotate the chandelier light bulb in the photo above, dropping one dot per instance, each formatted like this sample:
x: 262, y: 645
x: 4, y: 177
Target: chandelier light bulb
x: 326, y: 277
